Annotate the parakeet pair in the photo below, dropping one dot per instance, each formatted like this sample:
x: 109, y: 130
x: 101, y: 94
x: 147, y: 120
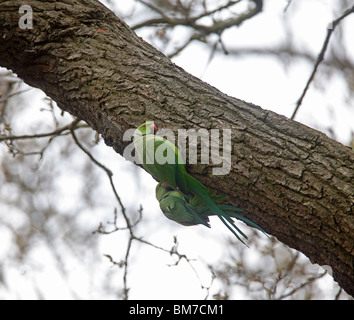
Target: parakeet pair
x: 175, y: 206
x: 182, y: 198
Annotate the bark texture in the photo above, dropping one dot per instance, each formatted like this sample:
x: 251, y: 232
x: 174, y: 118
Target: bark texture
x: 296, y: 182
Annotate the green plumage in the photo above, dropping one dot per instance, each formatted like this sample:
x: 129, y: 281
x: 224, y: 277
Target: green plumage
x: 160, y: 157
x: 190, y: 202
x: 176, y: 207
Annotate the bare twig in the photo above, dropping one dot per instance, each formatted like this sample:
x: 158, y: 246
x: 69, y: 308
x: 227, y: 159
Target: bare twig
x: 200, y: 30
x: 173, y: 252
x: 123, y: 210
x: 17, y: 93
x: 61, y: 131
x: 153, y: 8
x: 320, y: 57
x: 217, y: 27
x: 194, y: 36
x: 101, y: 229
x: 302, y: 285
x: 109, y: 174
x: 287, y: 6
x: 173, y: 21
x: 6, y: 87
x: 14, y: 150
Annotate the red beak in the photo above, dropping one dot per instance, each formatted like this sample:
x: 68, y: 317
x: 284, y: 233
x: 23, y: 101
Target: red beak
x: 153, y: 128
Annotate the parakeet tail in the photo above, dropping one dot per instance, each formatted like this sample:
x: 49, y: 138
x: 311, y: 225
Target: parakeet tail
x: 230, y: 211
x: 198, y: 189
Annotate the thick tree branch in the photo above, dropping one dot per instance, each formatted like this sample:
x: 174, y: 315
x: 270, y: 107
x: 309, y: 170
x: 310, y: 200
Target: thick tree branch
x: 296, y: 183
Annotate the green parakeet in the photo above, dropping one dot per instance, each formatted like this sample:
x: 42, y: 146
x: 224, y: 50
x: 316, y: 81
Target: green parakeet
x: 163, y: 161
x: 175, y: 206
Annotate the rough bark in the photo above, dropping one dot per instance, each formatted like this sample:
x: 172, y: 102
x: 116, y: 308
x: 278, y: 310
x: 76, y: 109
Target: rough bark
x: 296, y: 182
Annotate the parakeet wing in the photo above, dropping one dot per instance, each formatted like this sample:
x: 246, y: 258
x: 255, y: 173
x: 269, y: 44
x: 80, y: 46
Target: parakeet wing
x: 175, y: 208
x: 160, y: 158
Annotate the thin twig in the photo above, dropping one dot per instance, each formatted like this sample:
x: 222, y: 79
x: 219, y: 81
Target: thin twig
x: 320, y: 57
x: 57, y: 132
x: 109, y: 174
x: 127, y: 221
x: 304, y: 284
x: 4, y: 99
x: 216, y: 28
x: 153, y: 8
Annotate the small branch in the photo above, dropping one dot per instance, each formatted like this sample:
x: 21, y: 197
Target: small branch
x: 320, y: 57
x: 123, y: 210
x: 217, y: 27
x: 109, y: 174
x: 302, y: 285
x: 153, y: 8
x: 125, y: 279
x: 58, y: 132
x: 208, y: 13
x: 115, y: 228
x: 4, y: 99
x: 195, y: 36
x: 200, y: 30
x: 8, y: 140
x: 287, y: 6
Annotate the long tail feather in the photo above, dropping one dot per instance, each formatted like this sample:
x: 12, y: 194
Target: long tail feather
x: 232, y: 230
x: 231, y: 208
x: 237, y: 216
x: 199, y: 190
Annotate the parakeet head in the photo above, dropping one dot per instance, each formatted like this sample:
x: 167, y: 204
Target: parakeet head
x: 146, y: 128
x: 160, y: 191
x: 163, y: 191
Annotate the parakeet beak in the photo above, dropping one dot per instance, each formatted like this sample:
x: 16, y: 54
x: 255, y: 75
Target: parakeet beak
x: 153, y: 128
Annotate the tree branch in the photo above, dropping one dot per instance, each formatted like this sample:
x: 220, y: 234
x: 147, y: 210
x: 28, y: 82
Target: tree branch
x: 218, y: 26
x: 320, y: 57
x: 295, y: 182
x: 61, y: 131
